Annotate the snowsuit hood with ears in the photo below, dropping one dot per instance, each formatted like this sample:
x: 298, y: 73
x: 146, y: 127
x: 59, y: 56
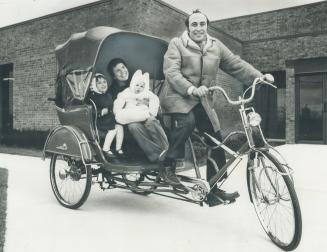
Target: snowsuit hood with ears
x: 139, y: 77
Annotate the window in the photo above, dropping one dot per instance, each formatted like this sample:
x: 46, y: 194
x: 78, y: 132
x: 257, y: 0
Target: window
x: 270, y: 104
x: 311, y: 107
x: 6, y: 97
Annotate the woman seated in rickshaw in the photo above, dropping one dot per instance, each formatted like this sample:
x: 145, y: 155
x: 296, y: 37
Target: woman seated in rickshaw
x: 147, y: 132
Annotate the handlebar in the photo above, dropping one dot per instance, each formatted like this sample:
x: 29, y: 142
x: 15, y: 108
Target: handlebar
x: 240, y: 101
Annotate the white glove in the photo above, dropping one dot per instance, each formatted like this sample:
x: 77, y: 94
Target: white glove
x: 200, y: 91
x: 269, y: 78
x: 104, y: 111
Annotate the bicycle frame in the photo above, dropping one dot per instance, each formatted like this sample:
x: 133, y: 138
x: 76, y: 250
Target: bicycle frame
x: 237, y: 156
x: 250, y: 145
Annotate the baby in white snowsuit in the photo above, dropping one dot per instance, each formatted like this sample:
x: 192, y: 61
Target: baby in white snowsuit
x: 136, y: 103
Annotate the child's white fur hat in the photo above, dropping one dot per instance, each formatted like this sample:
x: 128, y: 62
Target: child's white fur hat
x: 139, y: 77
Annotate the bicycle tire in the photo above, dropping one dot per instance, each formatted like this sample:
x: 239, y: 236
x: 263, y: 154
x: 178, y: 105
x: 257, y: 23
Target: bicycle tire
x: 253, y: 188
x: 54, y: 180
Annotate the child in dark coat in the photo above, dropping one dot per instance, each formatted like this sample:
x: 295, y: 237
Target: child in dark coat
x: 106, y: 119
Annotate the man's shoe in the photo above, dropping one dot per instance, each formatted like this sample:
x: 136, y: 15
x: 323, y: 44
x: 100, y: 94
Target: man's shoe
x: 167, y: 172
x: 214, y: 200
x: 170, y: 176
x: 224, y: 195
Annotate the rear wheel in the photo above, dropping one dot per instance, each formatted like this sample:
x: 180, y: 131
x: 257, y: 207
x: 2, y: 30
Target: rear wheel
x: 275, y: 201
x: 70, y: 180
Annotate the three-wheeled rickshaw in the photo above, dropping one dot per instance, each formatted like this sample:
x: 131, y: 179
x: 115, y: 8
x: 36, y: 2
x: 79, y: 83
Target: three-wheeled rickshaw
x: 77, y: 160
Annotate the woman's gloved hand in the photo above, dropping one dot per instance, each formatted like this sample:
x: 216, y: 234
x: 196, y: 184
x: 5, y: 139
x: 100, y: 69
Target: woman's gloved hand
x: 104, y: 111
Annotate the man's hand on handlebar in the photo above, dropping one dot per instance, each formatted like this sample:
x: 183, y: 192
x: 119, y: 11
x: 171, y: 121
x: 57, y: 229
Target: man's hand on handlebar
x: 268, y: 77
x: 200, y: 91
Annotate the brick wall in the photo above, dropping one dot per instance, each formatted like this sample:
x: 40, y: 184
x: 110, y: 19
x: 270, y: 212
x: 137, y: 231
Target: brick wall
x: 295, y: 21
x: 30, y: 47
x: 273, y: 38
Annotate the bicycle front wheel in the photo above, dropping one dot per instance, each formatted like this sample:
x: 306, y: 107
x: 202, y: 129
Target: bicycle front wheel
x: 274, y: 198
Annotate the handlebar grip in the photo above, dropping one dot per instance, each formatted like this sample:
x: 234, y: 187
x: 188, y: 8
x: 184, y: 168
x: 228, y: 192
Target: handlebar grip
x: 267, y: 83
x: 51, y: 99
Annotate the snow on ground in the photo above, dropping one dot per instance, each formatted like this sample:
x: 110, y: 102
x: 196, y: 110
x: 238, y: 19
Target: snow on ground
x: 118, y: 220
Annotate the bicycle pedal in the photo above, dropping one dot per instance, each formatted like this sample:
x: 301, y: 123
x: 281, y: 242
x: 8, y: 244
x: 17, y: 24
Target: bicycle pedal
x: 228, y: 202
x: 224, y: 202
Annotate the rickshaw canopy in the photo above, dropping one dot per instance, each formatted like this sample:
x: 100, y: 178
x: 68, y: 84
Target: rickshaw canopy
x: 89, y: 52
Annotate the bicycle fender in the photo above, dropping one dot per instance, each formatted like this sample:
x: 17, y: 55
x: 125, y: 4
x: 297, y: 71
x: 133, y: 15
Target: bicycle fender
x: 69, y: 141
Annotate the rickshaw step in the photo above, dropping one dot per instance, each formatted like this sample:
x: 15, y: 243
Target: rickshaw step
x: 129, y: 167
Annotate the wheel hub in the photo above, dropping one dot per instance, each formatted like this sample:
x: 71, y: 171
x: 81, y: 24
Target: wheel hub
x: 75, y: 174
x: 63, y: 174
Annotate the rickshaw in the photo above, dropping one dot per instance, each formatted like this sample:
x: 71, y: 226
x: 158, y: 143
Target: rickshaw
x: 77, y: 160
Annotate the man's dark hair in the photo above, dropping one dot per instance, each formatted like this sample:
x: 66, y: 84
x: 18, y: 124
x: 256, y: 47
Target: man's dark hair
x: 114, y: 62
x: 195, y: 11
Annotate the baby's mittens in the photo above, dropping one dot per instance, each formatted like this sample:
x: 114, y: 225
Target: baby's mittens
x: 130, y: 115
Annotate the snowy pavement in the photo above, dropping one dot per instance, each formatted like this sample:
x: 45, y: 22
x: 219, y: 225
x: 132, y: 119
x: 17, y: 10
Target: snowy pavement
x: 118, y: 220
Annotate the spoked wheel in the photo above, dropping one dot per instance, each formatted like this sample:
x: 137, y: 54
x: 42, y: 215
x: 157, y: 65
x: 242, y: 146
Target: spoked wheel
x: 134, y: 182
x: 275, y: 200
x: 70, y: 180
